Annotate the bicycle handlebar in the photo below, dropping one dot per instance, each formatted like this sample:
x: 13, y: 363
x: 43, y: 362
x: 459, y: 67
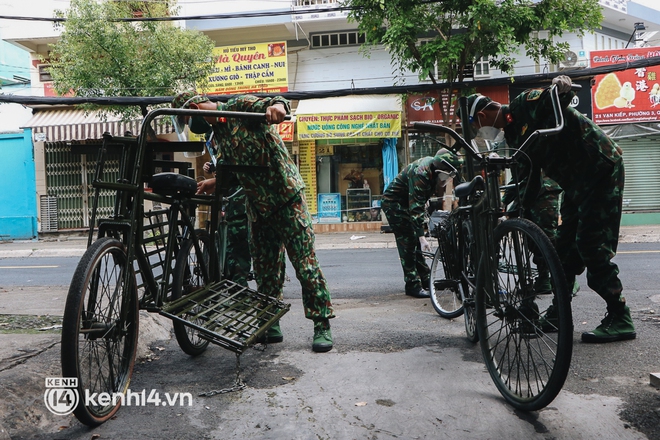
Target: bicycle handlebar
x: 470, y: 151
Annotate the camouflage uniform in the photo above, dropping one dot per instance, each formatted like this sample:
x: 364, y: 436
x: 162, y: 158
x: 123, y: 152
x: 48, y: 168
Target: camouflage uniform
x: 275, y: 205
x: 237, y: 261
x: 403, y: 203
x: 589, y: 168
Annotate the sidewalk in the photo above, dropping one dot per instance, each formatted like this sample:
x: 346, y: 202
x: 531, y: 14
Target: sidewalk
x: 74, y: 244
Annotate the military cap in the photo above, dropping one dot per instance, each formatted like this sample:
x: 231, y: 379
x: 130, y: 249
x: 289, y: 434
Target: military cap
x: 475, y: 103
x: 184, y: 99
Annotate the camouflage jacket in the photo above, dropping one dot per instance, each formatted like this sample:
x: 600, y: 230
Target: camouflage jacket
x: 251, y: 142
x: 412, y: 188
x: 577, y: 158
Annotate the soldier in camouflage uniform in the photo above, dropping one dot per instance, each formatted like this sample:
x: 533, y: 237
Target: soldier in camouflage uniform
x: 279, y: 218
x: 403, y: 204
x: 237, y: 261
x: 588, y: 166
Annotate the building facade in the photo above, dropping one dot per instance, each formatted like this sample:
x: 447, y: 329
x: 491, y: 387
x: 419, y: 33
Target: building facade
x: 320, y: 51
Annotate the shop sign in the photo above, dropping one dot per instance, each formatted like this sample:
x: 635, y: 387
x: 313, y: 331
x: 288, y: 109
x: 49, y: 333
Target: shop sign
x: 631, y: 95
x: 249, y: 68
x: 349, y: 125
x: 426, y: 107
x: 329, y: 208
x: 285, y: 130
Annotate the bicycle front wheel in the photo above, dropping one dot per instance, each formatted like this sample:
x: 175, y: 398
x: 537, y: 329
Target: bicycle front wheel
x: 188, y: 278
x: 100, y: 330
x: 526, y: 337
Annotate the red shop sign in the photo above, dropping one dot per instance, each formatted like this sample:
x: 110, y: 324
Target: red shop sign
x: 631, y: 95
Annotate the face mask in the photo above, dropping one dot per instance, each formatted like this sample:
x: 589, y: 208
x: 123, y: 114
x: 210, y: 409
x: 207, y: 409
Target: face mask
x: 489, y: 133
x: 198, y: 125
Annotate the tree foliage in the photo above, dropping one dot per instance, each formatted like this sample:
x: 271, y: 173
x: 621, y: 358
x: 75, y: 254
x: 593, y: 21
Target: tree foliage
x: 98, y: 54
x: 457, y: 32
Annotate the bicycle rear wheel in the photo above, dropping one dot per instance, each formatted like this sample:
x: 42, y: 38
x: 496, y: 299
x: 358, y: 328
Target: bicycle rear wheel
x: 445, y: 296
x: 100, y: 329
x: 189, y: 277
x: 468, y: 280
x: 527, y: 359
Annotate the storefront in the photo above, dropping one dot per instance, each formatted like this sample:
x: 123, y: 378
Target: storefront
x: 66, y: 142
x: 349, y: 140
x: 626, y: 105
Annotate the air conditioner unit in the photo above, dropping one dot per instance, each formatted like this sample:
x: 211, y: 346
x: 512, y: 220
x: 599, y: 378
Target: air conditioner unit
x: 571, y: 61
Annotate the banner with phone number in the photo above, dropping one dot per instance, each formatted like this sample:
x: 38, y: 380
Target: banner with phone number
x: 349, y: 125
x: 631, y: 95
x: 249, y: 68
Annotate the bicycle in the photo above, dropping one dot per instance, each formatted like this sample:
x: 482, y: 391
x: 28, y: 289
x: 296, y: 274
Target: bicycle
x: 527, y: 356
x: 153, y: 260
x: 453, y: 271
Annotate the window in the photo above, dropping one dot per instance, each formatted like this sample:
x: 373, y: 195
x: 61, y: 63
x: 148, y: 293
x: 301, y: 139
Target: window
x: 337, y: 39
x: 481, y: 68
x: 44, y: 75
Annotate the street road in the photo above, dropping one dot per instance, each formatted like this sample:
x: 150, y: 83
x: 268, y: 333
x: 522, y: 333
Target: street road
x: 398, y: 370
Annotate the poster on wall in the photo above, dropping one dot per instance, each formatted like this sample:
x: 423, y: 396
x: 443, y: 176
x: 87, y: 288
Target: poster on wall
x: 249, y: 68
x: 349, y: 125
x: 631, y: 95
x: 329, y: 208
x: 307, y: 167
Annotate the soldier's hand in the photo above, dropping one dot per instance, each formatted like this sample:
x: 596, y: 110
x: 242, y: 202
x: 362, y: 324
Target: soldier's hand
x: 206, y: 186
x: 563, y: 83
x: 275, y: 113
x: 424, y: 244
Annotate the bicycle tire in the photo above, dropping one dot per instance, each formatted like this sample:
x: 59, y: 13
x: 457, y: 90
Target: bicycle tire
x: 468, y: 281
x: 187, y: 278
x: 445, y: 296
x: 100, y: 329
x: 527, y: 364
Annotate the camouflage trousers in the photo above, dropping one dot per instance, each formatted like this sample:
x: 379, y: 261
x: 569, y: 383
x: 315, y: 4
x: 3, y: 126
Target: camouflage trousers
x: 415, y: 270
x: 589, y: 235
x: 237, y: 260
x: 290, y: 228
x: 545, y: 213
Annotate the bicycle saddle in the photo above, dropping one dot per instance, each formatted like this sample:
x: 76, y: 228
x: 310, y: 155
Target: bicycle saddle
x: 169, y: 184
x: 467, y: 188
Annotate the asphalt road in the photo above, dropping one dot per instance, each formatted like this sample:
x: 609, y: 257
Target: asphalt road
x: 398, y: 370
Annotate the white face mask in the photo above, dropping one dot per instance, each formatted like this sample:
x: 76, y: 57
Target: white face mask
x: 490, y: 135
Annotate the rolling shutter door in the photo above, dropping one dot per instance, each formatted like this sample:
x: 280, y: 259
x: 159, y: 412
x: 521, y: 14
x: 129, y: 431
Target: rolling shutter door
x: 642, y: 164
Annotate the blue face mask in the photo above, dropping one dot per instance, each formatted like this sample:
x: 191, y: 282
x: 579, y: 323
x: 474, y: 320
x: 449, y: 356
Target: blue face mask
x: 198, y: 125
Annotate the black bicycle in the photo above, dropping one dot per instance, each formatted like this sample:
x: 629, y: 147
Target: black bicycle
x: 150, y: 254
x: 527, y: 352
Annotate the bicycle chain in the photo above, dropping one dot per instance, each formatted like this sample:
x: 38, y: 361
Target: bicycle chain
x: 238, y: 383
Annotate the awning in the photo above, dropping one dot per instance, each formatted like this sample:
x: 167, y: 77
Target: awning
x: 349, y: 117
x: 350, y: 104
x: 66, y: 125
x: 624, y: 131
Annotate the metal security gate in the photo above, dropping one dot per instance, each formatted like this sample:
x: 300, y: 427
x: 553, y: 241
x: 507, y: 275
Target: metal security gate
x: 68, y: 179
x: 641, y: 156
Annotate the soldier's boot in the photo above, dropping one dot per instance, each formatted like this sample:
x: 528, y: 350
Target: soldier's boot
x: 542, y: 282
x: 417, y: 290
x: 322, y: 336
x: 576, y: 288
x: 616, y: 326
x: 549, y: 322
x: 272, y: 335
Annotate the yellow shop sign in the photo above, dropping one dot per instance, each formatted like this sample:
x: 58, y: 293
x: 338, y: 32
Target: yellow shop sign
x: 349, y: 125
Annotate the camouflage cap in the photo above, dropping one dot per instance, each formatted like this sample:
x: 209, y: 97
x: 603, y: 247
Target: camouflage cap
x: 480, y: 100
x: 446, y: 160
x: 184, y: 99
